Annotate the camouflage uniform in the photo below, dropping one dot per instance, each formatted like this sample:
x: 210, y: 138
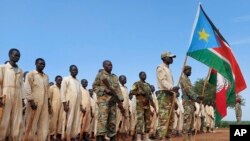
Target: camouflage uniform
x: 238, y: 112
x: 106, y: 109
x: 165, y: 99
x: 143, y: 112
x: 189, y: 98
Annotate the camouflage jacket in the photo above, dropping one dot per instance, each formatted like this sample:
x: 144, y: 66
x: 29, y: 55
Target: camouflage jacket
x: 141, y: 88
x: 99, y: 86
x: 187, y: 89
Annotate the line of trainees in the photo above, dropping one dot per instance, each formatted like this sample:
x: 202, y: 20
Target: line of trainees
x: 33, y: 110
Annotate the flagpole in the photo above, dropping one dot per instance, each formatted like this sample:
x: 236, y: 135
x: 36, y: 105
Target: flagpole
x: 185, y: 61
x: 205, y: 82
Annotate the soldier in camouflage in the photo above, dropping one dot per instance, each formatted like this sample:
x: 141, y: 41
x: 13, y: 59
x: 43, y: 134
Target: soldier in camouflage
x: 238, y: 111
x: 189, y: 97
x: 106, y: 86
x: 165, y: 96
x: 142, y: 90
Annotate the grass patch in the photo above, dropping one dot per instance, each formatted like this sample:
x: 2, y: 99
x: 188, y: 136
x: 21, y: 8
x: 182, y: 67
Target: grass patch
x: 226, y: 124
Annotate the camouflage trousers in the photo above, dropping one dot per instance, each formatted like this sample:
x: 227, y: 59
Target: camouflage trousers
x: 106, y: 122
x: 143, y: 115
x: 188, y: 118
x: 164, y: 103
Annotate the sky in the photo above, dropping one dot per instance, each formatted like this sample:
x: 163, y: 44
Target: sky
x: 132, y: 34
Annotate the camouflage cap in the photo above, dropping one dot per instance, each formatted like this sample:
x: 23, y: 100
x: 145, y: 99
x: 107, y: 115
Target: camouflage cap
x: 167, y: 54
x: 187, y: 67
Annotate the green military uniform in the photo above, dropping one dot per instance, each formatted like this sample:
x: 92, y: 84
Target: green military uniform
x: 142, y: 91
x: 106, y: 124
x: 165, y: 99
x: 189, y: 98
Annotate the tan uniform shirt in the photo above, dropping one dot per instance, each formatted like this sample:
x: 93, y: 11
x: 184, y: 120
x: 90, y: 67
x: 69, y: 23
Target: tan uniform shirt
x: 37, y: 87
x: 55, y: 98
x: 154, y: 118
x: 11, y: 86
x: 209, y: 119
x: 87, y: 106
x: 71, y: 91
x: 120, y: 118
x: 133, y: 119
x: 197, y: 117
x: 164, y: 77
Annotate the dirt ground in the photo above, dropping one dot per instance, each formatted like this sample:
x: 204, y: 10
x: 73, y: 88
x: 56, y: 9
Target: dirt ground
x: 219, y: 135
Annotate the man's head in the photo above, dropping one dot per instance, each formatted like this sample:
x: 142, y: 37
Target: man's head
x: 73, y: 70
x: 107, y: 65
x: 14, y: 55
x: 40, y: 64
x: 122, y: 79
x: 187, y: 70
x: 58, y: 80
x: 142, y: 76
x: 84, y: 83
x: 51, y: 83
x: 167, y: 57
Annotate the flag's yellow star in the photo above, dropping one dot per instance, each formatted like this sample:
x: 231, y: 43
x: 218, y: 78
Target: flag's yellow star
x: 203, y: 35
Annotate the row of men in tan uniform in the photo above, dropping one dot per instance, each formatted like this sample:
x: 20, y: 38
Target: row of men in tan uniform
x: 203, y: 118
x: 61, y: 104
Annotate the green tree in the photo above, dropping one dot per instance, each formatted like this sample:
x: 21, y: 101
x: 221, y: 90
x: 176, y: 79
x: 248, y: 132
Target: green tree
x: 209, y: 91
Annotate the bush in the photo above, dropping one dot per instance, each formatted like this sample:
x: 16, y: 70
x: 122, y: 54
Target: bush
x: 226, y: 124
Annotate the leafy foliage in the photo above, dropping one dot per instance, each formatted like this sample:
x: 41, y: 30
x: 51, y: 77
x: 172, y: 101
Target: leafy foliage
x: 209, y: 91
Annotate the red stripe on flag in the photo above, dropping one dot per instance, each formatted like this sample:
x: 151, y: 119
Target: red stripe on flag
x: 226, y: 52
x: 221, y: 102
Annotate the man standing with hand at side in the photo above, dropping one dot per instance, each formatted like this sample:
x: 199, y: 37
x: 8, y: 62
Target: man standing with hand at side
x: 165, y: 96
x: 11, y: 95
x: 71, y: 97
x: 37, y: 89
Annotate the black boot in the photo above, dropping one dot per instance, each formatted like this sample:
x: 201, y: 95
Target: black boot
x: 113, y: 138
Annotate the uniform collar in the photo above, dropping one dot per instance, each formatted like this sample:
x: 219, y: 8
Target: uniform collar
x: 105, y: 72
x: 72, y: 77
x: 165, y: 65
x: 8, y: 65
x: 36, y: 72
